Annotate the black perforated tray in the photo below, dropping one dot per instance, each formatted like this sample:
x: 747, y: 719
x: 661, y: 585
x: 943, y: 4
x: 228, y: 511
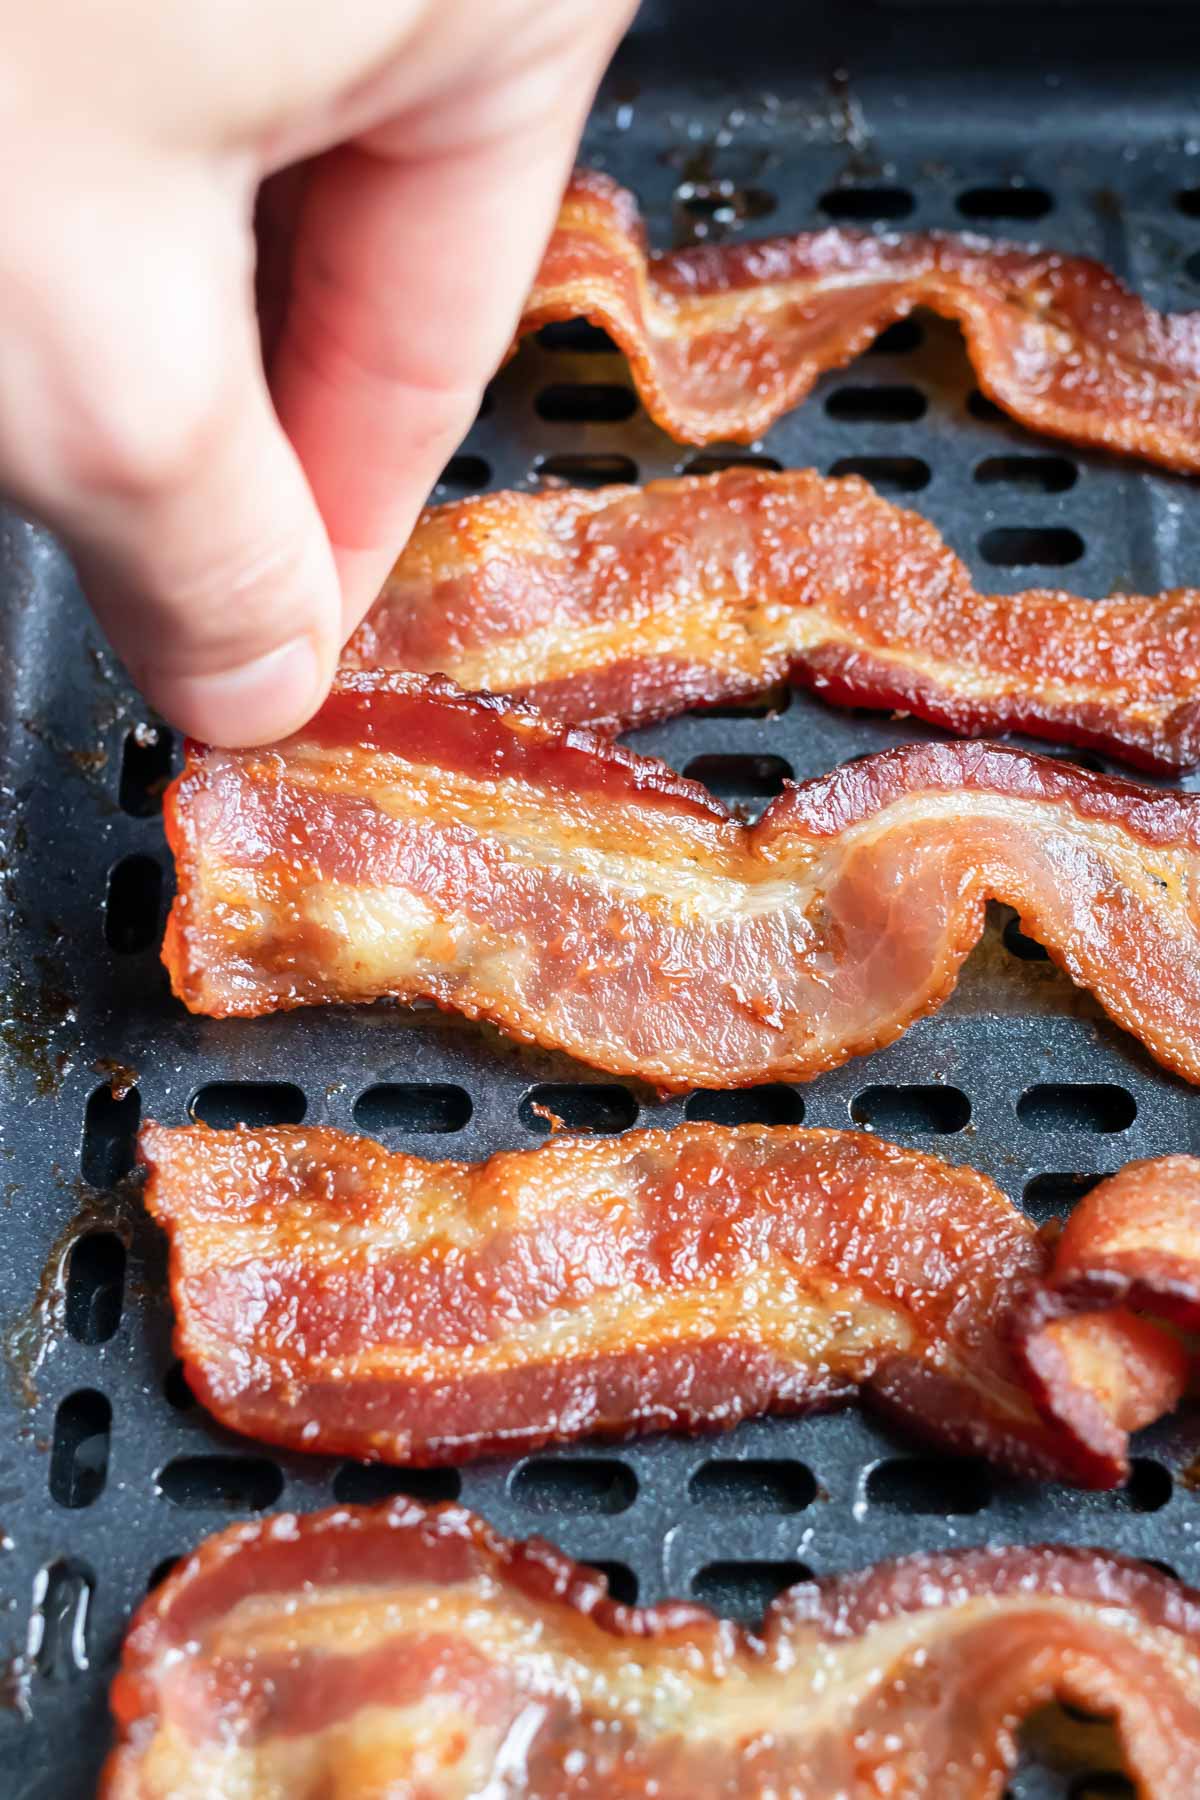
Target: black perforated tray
x: 1074, y: 132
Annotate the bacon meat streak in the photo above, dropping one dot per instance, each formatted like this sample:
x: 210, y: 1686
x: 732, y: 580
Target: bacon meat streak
x: 623, y: 605
x: 404, y: 1649
x: 722, y: 339
x: 413, y: 841
x: 333, y: 1296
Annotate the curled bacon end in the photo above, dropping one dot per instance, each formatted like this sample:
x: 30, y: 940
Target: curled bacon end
x: 615, y: 607
x: 722, y: 339
x: 1131, y: 1248
x: 423, y: 1312
x: 412, y: 841
x: 404, y: 1648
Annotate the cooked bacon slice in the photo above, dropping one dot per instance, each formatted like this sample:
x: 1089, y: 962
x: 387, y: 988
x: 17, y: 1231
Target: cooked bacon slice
x: 722, y: 339
x: 410, y: 1650
x: 413, y: 841
x: 333, y: 1296
x: 618, y: 606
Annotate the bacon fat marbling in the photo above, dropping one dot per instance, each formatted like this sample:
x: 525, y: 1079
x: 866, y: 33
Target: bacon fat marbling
x: 413, y: 841
x: 622, y: 605
x: 408, y: 1650
x: 722, y: 339
x: 334, y: 1296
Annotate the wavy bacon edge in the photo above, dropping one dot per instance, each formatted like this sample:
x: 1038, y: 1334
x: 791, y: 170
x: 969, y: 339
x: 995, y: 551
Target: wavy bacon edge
x: 992, y: 1634
x: 1036, y: 1358
x: 619, y: 607
x: 1135, y: 944
x: 1055, y: 340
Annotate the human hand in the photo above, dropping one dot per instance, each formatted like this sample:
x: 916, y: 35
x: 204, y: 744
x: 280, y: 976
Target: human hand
x: 231, y: 534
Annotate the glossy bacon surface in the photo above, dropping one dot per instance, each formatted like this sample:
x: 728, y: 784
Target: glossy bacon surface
x: 413, y: 841
x: 622, y: 605
x: 723, y: 339
x: 334, y: 1296
x: 408, y: 1651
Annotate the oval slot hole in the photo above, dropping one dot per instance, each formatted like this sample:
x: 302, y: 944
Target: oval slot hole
x: 145, y: 770
x: 915, y: 1109
x: 1031, y: 546
x: 1051, y: 1196
x: 1007, y: 201
x: 110, y: 1128
x: 573, y: 1485
x: 95, y: 1287
x: 464, y: 475
x: 890, y: 474
x: 176, y: 1391
x: 740, y: 777
x: 753, y: 1487
x: 221, y: 1483
x: 715, y: 462
x: 587, y: 471
x: 744, y: 1590
x: 364, y: 1484
x: 413, y: 1106
x: 1076, y: 1106
x: 586, y: 403
x: 929, y: 1484
x: 1098, y: 1106
x: 589, y: 1106
x: 876, y: 405
x: 79, y: 1448
x: 622, y: 1582
x: 772, y: 1104
x: 1149, y: 1488
x: 132, y: 904
x: 867, y: 203
x: 227, y: 1103
x: 1037, y: 474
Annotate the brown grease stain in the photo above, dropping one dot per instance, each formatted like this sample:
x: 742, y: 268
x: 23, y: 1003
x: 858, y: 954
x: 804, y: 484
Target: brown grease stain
x: 38, y: 1007
x: 122, y: 1078
x: 39, y: 1326
x: 1189, y: 1476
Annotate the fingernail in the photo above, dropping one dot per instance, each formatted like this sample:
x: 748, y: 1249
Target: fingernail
x: 255, y: 703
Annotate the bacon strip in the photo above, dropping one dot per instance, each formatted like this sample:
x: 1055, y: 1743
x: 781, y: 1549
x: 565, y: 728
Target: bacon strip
x: 403, y: 1649
x: 616, y: 607
x: 333, y: 1296
x: 413, y: 841
x: 722, y: 339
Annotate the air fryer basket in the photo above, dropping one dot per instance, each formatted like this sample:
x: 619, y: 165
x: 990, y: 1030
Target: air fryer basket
x: 1055, y: 124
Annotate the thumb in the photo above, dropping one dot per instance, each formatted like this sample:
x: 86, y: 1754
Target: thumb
x: 163, y: 464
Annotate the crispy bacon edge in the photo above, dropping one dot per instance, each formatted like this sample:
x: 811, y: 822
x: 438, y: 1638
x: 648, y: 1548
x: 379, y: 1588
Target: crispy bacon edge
x: 1001, y: 1632
x: 996, y: 1320
x: 602, y: 609
x: 723, y: 339
x: 434, y: 725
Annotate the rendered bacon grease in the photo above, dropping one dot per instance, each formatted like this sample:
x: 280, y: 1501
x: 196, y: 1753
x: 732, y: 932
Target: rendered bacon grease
x: 334, y: 1296
x: 413, y: 841
x: 722, y: 339
x: 622, y: 605
x: 410, y: 1651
